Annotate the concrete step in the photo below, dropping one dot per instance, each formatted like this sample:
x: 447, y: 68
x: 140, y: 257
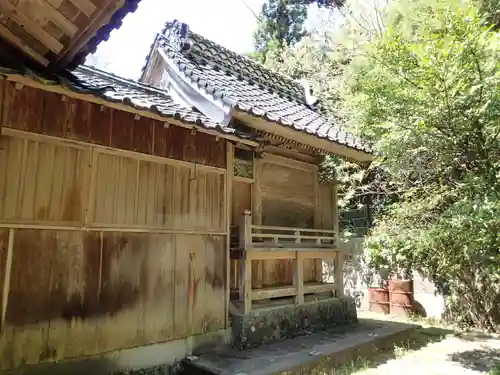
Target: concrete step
x: 301, y: 355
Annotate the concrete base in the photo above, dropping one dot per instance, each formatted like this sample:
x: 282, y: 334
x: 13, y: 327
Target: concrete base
x: 316, y: 353
x: 280, y: 323
x: 124, y: 361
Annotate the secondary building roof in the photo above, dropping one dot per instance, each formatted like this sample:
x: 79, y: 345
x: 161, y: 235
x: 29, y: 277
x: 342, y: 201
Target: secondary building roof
x: 237, y: 82
x: 60, y: 33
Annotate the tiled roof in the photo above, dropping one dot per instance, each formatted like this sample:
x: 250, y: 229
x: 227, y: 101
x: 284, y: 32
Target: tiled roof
x: 113, y: 89
x: 252, y: 88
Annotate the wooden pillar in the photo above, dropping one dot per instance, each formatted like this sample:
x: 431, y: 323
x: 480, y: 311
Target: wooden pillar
x: 298, y: 277
x: 257, y: 213
x: 339, y: 259
x: 246, y: 263
x: 317, y: 224
x: 229, y: 203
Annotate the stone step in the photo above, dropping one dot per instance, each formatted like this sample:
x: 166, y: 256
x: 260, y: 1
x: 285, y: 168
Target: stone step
x: 314, y: 351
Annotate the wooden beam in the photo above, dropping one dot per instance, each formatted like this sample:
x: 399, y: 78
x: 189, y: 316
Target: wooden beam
x: 317, y: 223
x: 17, y: 42
x: 30, y: 26
x: 263, y: 255
x: 121, y: 107
x: 6, y: 280
x: 298, y: 278
x: 229, y: 202
x: 52, y: 13
x: 84, y: 6
x: 339, y: 258
x: 274, y: 292
x: 256, y: 197
x: 304, y: 138
x: 319, y: 288
x: 327, y: 254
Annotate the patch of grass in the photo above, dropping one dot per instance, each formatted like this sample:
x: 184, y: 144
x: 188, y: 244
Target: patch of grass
x: 495, y: 370
x: 353, y: 367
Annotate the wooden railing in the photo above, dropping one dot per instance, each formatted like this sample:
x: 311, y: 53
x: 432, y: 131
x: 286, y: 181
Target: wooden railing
x: 271, y: 237
x: 261, y: 242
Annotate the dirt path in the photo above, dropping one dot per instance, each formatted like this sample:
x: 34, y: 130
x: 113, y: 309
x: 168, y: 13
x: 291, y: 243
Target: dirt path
x: 439, y: 352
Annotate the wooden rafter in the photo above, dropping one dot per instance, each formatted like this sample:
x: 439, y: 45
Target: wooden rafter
x: 30, y: 26
x: 16, y: 41
x: 53, y: 14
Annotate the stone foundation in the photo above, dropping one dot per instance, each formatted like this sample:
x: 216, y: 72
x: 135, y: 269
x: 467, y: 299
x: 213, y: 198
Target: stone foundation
x: 280, y: 323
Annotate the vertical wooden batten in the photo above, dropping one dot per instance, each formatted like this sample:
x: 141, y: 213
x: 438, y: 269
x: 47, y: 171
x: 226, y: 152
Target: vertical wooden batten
x: 2, y: 103
x: 6, y: 281
x: 229, y: 199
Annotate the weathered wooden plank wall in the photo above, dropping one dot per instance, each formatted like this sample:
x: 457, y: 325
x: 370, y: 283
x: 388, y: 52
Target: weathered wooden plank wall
x: 30, y: 109
x: 289, y: 195
x: 100, y: 248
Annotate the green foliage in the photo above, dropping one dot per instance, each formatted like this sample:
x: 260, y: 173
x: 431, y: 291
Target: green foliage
x: 427, y: 93
x: 282, y: 24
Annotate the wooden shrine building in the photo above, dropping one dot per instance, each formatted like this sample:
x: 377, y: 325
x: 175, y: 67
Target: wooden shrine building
x: 159, y: 213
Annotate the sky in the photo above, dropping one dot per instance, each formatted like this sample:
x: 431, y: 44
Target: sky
x: 226, y: 22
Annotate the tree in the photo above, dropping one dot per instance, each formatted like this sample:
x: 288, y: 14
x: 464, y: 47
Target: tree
x: 282, y: 24
x: 426, y: 93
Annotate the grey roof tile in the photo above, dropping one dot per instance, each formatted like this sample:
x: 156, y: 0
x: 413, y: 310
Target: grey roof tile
x: 252, y: 88
x: 140, y: 96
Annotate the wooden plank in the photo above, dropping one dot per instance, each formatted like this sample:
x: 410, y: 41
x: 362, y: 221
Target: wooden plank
x: 6, y: 274
x: 327, y: 254
x: 158, y: 323
x: 291, y: 229
x: 13, y: 39
x: 30, y: 26
x: 122, y: 107
x: 85, y: 6
x: 289, y: 163
x: 298, y: 279
x: 214, y: 310
x: 182, y: 282
x: 228, y: 188
x: 270, y: 255
x: 319, y: 288
x: 50, y: 12
x: 273, y: 292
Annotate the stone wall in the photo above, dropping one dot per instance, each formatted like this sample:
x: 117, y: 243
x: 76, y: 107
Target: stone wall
x: 357, y: 280
x: 269, y: 325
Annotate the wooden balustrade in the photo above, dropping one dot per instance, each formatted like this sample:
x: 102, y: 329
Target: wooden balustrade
x: 261, y: 242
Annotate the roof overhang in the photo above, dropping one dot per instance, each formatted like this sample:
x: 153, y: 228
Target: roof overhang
x: 64, y: 91
x: 321, y: 144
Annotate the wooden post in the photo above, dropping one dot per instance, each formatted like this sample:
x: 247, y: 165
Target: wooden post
x: 317, y: 223
x: 246, y: 263
x: 339, y: 259
x: 257, y: 213
x: 229, y: 202
x: 298, y: 277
